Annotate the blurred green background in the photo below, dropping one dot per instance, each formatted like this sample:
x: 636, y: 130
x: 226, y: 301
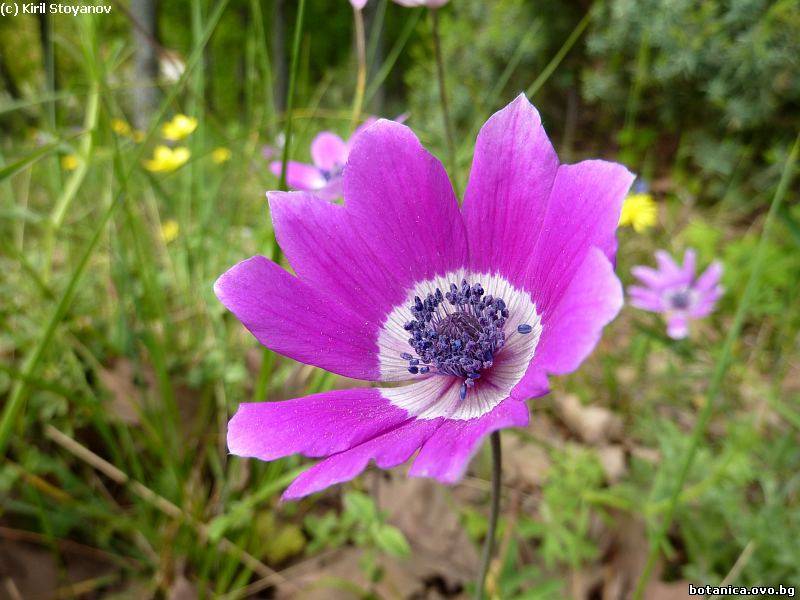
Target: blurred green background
x: 119, y: 368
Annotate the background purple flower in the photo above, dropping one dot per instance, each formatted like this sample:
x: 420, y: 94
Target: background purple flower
x: 329, y: 154
x: 360, y: 4
x: 674, y: 291
x: 427, y: 3
x: 471, y: 307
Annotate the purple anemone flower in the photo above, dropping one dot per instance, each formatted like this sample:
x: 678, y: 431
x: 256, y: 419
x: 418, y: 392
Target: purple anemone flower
x: 329, y: 155
x: 675, y: 291
x: 360, y: 4
x: 463, y: 310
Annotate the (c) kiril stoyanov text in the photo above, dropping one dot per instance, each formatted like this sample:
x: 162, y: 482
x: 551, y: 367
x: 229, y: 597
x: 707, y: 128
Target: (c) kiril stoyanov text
x: 41, y: 8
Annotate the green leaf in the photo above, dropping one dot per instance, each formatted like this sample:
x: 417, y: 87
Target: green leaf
x: 391, y: 540
x: 360, y: 506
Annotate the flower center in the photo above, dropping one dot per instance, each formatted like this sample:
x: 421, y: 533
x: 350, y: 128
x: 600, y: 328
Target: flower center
x: 334, y: 173
x: 680, y: 300
x: 457, y: 333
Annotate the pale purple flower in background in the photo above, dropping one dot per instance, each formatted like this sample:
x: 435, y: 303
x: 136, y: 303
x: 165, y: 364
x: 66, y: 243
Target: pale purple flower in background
x: 470, y: 308
x: 427, y: 3
x: 324, y: 176
x: 329, y: 154
x: 272, y: 150
x: 676, y: 292
x: 359, y: 4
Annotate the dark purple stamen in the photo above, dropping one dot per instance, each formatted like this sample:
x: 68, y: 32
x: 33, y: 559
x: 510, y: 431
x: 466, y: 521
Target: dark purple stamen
x: 524, y: 328
x: 335, y: 172
x: 680, y: 300
x: 459, y: 337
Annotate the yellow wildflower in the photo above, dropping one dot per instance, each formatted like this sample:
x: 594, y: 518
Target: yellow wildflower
x: 169, y: 230
x: 220, y: 155
x: 165, y: 159
x: 180, y: 127
x: 70, y: 162
x: 639, y: 211
x: 120, y: 127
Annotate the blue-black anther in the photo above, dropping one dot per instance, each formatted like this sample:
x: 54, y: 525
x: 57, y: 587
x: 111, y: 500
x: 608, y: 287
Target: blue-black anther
x: 524, y: 328
x: 460, y: 341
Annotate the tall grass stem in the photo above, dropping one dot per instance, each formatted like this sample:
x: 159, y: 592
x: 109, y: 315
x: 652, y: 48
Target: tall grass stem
x: 494, y: 514
x: 446, y: 117
x: 267, y: 360
x: 361, y: 56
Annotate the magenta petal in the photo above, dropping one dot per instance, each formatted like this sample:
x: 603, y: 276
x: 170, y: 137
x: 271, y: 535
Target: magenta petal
x: 572, y: 330
x: 319, y: 238
x: 513, y: 170
x: 710, y: 277
x: 328, y: 151
x: 300, y: 176
x: 400, y: 198
x: 532, y: 385
x: 368, y: 122
x: 446, y: 454
x: 705, y: 306
x: 331, y: 190
x: 296, y: 320
x: 583, y: 212
x: 650, y: 277
x: 387, y: 450
x: 574, y: 326
x: 677, y: 327
x: 645, y: 298
x: 317, y: 425
x: 671, y: 273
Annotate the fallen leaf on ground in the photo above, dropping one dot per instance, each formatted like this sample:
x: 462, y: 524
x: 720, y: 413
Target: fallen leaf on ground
x: 592, y: 424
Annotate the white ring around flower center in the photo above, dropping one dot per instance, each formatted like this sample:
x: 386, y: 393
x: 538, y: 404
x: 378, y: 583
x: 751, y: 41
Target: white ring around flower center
x: 433, y: 396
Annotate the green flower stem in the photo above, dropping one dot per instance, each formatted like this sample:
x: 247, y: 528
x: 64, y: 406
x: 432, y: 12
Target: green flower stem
x: 494, y: 513
x: 718, y: 375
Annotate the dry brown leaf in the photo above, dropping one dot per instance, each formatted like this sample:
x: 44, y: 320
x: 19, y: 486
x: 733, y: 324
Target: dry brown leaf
x: 421, y: 509
x: 612, y: 459
x: 525, y: 464
x: 127, y: 397
x: 35, y: 573
x: 182, y: 589
x: 592, y: 424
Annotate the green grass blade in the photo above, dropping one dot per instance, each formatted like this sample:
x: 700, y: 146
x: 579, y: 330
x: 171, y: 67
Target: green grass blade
x: 35, y: 156
x: 394, y: 54
x: 267, y: 359
x: 559, y: 56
